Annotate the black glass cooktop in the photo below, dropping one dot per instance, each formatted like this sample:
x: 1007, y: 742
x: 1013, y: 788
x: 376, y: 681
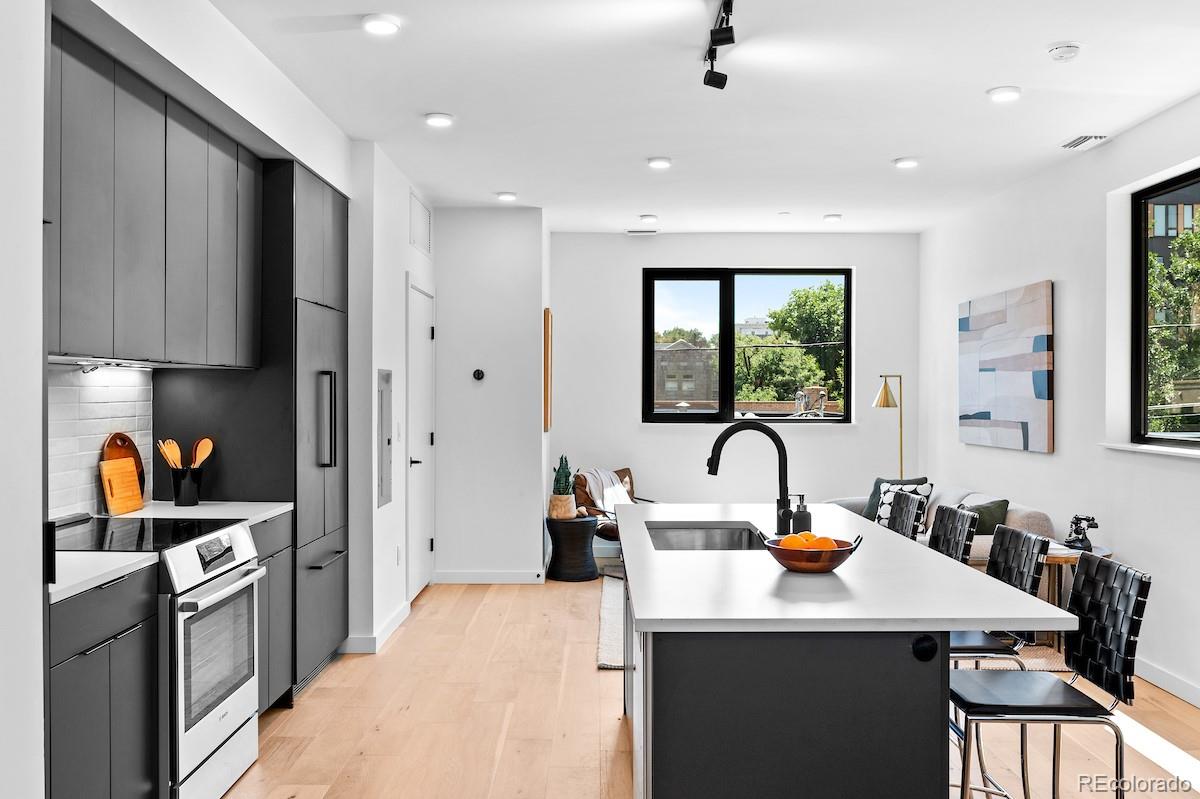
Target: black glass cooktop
x: 134, y: 535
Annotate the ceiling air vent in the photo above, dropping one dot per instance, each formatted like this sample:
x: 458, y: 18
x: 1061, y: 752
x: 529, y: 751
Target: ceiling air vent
x: 1082, y: 142
x: 641, y: 232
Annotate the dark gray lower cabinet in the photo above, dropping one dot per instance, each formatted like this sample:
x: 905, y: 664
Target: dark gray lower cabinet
x: 103, y: 719
x: 275, y: 625
x: 79, y: 726
x: 322, y: 601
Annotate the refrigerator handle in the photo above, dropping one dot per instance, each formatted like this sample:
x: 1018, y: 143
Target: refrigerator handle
x: 325, y: 439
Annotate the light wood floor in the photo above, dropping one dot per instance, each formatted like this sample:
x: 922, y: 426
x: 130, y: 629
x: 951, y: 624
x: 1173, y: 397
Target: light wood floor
x: 491, y: 692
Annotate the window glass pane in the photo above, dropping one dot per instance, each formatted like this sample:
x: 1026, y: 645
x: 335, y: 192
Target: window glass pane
x: 1172, y: 352
x: 687, y: 314
x: 790, y: 345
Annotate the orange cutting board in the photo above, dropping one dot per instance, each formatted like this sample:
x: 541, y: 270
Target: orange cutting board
x: 120, y: 445
x: 122, y: 491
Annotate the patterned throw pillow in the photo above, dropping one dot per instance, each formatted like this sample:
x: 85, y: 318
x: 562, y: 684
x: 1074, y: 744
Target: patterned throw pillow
x: 887, y: 493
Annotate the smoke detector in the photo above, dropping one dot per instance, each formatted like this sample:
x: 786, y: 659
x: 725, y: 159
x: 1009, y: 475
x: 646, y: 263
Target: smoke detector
x: 1080, y: 143
x: 1064, y: 51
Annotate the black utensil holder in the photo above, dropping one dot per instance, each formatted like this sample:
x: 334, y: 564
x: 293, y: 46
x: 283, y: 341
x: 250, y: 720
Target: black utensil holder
x: 185, y: 483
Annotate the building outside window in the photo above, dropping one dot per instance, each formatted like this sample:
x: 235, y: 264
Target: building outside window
x: 1166, y: 324
x: 725, y: 344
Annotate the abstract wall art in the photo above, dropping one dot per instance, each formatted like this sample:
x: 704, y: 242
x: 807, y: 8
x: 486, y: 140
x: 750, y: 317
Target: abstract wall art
x: 1006, y: 369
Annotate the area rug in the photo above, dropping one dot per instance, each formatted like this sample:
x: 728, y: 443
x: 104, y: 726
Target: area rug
x: 1035, y: 658
x: 610, y: 651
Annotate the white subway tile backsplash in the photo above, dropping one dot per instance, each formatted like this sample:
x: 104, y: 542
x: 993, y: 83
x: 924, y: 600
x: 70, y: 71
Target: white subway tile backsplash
x: 83, y: 410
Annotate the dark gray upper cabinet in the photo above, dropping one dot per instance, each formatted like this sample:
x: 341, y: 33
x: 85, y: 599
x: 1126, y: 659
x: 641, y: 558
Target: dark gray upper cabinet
x: 52, y: 223
x: 139, y: 219
x: 249, y: 257
x: 133, y: 695
x: 86, y: 238
x: 336, y: 249
x: 311, y: 220
x: 79, y: 726
x: 222, y: 248
x: 187, y: 236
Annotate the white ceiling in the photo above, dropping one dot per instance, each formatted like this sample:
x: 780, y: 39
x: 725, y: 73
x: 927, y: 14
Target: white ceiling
x: 563, y: 100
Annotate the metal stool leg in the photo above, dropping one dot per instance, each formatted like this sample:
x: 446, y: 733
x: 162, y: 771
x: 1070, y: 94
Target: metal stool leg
x: 1118, y: 757
x: 1057, y: 764
x: 1025, y: 761
x: 964, y: 791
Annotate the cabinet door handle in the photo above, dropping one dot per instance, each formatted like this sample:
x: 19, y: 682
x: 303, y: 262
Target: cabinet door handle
x: 327, y: 563
x: 132, y: 629
x: 110, y: 583
x: 97, y: 647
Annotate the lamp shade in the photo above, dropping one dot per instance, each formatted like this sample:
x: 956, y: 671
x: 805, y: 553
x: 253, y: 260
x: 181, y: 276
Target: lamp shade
x: 885, y: 398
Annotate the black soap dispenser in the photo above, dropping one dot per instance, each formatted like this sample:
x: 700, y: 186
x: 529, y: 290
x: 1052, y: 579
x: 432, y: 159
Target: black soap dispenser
x: 801, y: 518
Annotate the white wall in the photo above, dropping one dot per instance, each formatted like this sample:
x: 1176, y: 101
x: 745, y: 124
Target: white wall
x: 1071, y: 225
x: 490, y: 481
x: 83, y: 408
x: 380, y: 257
x: 22, y: 360
x: 597, y: 302
x: 194, y: 36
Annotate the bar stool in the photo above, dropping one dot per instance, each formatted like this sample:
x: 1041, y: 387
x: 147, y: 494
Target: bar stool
x: 1110, y: 600
x: 953, y: 531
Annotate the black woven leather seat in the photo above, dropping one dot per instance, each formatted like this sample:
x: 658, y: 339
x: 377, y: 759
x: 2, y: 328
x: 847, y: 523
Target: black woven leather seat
x: 977, y: 642
x: 1019, y: 693
x: 953, y: 531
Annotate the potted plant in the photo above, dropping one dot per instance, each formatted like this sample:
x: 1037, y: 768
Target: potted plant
x: 562, y: 501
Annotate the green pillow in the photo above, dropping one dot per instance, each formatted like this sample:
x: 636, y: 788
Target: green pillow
x: 990, y: 514
x: 873, y: 500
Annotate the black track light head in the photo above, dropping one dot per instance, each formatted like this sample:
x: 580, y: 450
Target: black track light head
x: 726, y: 7
x: 715, y: 79
x: 721, y: 36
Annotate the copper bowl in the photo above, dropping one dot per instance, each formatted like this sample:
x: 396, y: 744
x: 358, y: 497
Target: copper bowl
x: 813, y: 561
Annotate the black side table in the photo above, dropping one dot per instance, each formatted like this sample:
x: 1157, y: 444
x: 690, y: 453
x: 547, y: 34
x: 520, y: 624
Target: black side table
x: 571, y: 559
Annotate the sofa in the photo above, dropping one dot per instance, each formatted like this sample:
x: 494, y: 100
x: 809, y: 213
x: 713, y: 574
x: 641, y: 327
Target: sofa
x: 1019, y: 516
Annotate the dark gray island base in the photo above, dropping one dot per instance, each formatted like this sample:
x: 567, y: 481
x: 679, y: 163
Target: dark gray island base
x: 766, y: 715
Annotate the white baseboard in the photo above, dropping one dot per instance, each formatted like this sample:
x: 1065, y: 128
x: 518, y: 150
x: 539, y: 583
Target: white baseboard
x: 370, y: 644
x: 606, y: 549
x: 1168, y: 681
x: 489, y: 577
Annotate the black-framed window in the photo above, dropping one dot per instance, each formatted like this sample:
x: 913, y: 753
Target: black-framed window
x: 1166, y: 313
x: 726, y: 344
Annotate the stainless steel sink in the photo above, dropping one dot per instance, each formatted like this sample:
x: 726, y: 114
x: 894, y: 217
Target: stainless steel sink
x: 702, y: 535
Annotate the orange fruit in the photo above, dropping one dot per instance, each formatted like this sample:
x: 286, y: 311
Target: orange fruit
x: 821, y: 543
x: 807, y: 536
x: 792, y: 541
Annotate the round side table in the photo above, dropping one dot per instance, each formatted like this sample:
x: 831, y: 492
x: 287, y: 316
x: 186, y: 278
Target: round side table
x: 571, y: 559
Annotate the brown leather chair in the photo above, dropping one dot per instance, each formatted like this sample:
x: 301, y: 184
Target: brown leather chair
x: 606, y: 527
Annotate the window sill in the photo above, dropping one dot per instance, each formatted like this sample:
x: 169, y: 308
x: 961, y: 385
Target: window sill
x: 1154, y: 449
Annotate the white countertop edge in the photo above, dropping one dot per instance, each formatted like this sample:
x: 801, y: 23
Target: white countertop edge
x: 1153, y: 449
x: 840, y: 626
x: 252, y: 512
x: 83, y: 571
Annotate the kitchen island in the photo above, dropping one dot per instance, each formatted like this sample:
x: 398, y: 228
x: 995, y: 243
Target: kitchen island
x: 743, y: 679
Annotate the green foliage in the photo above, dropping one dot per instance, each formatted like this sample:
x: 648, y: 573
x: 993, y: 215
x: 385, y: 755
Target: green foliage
x: 693, y: 336
x: 772, y: 374
x: 1173, y: 347
x: 563, y: 481
x: 813, y: 316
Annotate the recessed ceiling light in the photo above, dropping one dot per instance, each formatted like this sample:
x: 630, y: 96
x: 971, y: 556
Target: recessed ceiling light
x: 648, y: 219
x: 658, y: 162
x: 1004, y: 94
x: 1063, y: 51
x: 506, y: 196
x: 832, y: 219
x: 381, y: 24
x: 785, y: 213
x: 439, y: 120
x: 905, y: 162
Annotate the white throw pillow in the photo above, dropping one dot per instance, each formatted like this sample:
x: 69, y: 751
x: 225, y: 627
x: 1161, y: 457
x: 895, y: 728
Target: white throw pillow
x: 887, y: 493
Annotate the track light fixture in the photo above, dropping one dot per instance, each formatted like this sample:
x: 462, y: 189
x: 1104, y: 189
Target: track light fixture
x: 720, y: 35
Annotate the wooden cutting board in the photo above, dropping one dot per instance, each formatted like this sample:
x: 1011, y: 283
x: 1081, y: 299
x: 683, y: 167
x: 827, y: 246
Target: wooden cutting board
x: 122, y: 491
x: 120, y: 445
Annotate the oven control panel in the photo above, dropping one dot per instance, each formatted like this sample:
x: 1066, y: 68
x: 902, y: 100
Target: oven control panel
x: 201, y: 559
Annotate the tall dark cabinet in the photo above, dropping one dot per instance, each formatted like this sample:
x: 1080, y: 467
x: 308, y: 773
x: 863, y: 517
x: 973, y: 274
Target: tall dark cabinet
x: 286, y: 421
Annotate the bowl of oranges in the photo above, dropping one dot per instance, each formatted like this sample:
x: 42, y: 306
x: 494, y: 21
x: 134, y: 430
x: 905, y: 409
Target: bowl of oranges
x: 811, y: 553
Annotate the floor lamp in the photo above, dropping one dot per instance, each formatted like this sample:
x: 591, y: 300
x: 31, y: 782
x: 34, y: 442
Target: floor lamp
x: 885, y: 399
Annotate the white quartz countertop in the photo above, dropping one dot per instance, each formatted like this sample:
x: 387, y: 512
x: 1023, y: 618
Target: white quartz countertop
x: 82, y: 571
x: 252, y: 512
x: 891, y: 584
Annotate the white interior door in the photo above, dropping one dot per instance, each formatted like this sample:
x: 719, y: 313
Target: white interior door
x: 420, y: 440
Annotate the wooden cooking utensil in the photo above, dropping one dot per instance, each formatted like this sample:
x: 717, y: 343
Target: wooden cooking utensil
x: 201, y: 450
x: 122, y: 493
x: 120, y: 445
x: 173, y: 449
x: 167, y: 456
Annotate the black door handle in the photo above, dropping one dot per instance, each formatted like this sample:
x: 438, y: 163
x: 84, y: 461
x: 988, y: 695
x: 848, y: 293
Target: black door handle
x: 413, y: 462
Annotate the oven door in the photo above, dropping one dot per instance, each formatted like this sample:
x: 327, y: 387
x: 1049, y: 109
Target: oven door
x: 215, y: 664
